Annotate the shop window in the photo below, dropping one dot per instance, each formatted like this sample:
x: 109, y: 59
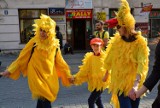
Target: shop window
x: 155, y: 28
x: 69, y: 31
x: 26, y: 19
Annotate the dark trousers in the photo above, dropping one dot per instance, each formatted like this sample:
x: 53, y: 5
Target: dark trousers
x: 156, y: 103
x: 95, y: 97
x: 43, y: 103
x: 126, y: 102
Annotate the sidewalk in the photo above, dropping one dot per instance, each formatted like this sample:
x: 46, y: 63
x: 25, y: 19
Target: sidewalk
x: 16, y: 94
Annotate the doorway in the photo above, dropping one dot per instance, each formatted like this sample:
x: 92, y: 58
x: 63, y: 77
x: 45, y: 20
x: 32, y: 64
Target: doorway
x: 79, y: 34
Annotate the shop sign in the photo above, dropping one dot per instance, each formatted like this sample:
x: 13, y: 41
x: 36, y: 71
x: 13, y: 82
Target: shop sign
x: 56, y: 11
x: 79, y: 4
x: 147, y: 8
x: 101, y: 16
x: 58, y: 19
x: 74, y: 14
x: 143, y: 27
x: 154, y: 14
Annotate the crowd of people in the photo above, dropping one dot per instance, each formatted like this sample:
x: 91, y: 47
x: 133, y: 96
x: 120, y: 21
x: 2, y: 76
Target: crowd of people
x: 119, y: 64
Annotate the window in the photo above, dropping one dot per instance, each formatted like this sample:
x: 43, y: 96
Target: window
x: 155, y: 28
x: 26, y: 20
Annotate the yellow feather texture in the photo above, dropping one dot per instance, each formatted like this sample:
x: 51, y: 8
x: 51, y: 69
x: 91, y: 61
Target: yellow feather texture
x: 124, y: 17
x: 92, y: 71
x: 126, y: 60
x: 47, y: 24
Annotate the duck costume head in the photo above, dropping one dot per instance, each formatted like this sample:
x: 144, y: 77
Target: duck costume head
x: 123, y: 18
x: 48, y: 25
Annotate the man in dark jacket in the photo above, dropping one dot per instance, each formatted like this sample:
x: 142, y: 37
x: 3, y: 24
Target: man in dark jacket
x: 59, y: 36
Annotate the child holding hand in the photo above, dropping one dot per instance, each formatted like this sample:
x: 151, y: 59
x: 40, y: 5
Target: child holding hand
x: 92, y: 71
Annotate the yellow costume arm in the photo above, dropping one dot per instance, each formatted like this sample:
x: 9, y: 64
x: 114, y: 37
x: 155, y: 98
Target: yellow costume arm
x: 143, y: 54
x: 62, y: 69
x: 82, y: 75
x: 21, y: 63
x: 108, y: 58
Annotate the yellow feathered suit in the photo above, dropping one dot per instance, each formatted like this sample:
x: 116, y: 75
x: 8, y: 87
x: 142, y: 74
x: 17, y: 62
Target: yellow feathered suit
x: 125, y: 60
x: 92, y: 71
x: 45, y: 65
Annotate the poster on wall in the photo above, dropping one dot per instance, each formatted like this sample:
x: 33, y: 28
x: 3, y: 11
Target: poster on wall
x: 146, y: 9
x: 101, y: 16
x: 78, y: 4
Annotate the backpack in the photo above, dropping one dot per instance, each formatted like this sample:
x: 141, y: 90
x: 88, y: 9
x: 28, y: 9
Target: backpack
x: 34, y: 45
x: 97, y: 33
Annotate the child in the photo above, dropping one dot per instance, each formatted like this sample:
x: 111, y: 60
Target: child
x: 92, y: 71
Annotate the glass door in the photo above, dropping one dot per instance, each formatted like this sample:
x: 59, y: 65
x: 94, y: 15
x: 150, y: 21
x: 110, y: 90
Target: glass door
x: 69, y: 30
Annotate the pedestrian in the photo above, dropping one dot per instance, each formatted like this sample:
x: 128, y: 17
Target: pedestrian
x: 127, y: 58
x: 92, y: 72
x: 152, y: 80
x: 68, y: 48
x: 41, y: 61
x: 59, y: 36
x: 101, y: 33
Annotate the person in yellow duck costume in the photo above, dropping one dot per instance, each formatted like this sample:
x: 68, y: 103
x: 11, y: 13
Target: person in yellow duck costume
x: 44, y: 65
x: 92, y: 71
x: 127, y: 58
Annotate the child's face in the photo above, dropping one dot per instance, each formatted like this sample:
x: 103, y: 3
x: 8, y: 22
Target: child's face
x: 96, y: 48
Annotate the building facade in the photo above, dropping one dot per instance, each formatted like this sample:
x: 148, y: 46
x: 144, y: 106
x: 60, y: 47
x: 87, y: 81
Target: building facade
x: 76, y: 19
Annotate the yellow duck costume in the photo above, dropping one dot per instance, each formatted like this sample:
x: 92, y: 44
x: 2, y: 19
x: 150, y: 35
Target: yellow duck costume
x: 45, y: 65
x: 92, y: 71
x: 126, y: 59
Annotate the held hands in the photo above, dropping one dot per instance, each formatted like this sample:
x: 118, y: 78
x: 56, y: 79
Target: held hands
x: 132, y: 93
x: 5, y: 74
x: 71, y: 80
x: 141, y: 91
x: 135, y: 93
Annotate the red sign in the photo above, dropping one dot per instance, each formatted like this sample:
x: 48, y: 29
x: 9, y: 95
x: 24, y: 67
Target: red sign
x: 147, y: 8
x: 76, y: 14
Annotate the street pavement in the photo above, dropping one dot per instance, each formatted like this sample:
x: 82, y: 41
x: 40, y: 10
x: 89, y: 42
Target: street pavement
x: 16, y: 94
